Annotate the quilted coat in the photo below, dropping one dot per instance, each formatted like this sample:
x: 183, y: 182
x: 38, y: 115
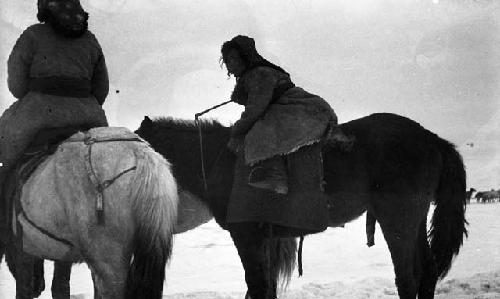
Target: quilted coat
x: 41, y: 55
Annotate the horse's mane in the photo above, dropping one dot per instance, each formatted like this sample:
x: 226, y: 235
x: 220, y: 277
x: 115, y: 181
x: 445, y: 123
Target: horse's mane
x: 178, y: 141
x: 186, y: 124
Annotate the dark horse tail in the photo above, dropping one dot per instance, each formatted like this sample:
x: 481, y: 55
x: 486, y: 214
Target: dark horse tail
x: 448, y: 226
x: 283, y: 261
x: 155, y: 213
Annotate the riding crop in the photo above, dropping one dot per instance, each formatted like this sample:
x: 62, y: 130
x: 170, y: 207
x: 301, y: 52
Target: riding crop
x: 196, y: 121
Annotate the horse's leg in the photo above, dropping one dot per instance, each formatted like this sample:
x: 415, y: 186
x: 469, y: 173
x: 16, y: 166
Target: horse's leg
x: 402, y: 250
x: 60, y: 280
x: 111, y: 283
x: 38, y: 277
x: 428, y: 278
x: 25, y: 265
x: 249, y: 241
x: 96, y: 293
x: 399, y: 222
x: 22, y: 265
x: 109, y: 265
x: 370, y: 229
x: 17, y: 259
x: 11, y: 258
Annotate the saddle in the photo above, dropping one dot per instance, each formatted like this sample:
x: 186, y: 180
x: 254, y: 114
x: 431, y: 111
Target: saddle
x: 304, y: 210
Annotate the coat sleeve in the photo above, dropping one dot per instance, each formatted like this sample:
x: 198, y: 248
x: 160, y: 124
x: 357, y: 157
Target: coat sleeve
x: 100, y: 79
x: 260, y: 85
x: 19, y: 65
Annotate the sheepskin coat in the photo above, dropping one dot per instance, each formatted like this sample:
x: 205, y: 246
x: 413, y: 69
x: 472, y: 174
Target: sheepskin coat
x: 277, y: 124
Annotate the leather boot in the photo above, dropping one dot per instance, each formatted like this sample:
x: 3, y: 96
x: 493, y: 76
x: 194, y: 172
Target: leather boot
x: 270, y: 174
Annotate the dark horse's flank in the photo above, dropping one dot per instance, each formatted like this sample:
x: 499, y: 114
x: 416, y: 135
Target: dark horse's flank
x: 395, y: 169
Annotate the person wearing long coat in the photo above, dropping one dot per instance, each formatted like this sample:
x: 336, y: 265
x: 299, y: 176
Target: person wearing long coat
x: 57, y: 73
x: 279, y: 117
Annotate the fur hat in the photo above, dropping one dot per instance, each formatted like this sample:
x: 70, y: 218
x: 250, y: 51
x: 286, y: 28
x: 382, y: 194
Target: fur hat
x: 246, y: 47
x: 67, y: 17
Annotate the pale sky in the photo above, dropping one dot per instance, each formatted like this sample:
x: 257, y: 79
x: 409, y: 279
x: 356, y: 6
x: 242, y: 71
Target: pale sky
x: 436, y: 62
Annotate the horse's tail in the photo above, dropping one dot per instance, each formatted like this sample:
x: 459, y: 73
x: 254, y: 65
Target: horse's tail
x: 155, y: 211
x: 283, y: 261
x: 448, y: 226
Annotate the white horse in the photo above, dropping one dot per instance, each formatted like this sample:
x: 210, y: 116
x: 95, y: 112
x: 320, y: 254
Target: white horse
x: 106, y: 198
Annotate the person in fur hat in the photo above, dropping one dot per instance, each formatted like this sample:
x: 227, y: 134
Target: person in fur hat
x: 58, y: 74
x: 279, y: 117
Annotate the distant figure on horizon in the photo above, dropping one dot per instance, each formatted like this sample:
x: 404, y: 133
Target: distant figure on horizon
x: 488, y: 196
x: 58, y: 74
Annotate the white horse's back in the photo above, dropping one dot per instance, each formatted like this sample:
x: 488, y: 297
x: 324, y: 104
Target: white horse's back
x: 109, y: 171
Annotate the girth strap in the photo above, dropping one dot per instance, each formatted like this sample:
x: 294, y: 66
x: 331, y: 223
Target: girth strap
x: 101, y: 186
x: 299, y: 254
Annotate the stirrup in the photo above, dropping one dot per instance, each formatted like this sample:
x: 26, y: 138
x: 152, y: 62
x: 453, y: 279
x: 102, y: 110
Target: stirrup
x: 270, y: 179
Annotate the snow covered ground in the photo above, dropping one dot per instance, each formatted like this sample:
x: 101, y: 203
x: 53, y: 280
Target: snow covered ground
x: 337, y: 264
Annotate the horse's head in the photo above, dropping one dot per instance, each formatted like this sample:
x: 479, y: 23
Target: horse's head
x: 179, y: 142
x: 162, y: 134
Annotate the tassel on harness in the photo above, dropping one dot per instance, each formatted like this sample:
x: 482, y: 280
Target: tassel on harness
x: 101, y: 186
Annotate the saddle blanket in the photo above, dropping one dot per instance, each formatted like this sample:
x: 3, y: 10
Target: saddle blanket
x: 104, y: 134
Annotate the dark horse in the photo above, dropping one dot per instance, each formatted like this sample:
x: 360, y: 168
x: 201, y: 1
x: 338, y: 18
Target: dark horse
x: 393, y: 171
x: 468, y: 194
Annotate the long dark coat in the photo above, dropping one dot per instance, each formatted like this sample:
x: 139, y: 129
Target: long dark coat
x: 41, y: 53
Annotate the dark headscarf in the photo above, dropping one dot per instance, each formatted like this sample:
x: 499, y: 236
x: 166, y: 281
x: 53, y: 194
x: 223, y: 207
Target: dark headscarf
x: 246, y: 47
x: 67, y: 17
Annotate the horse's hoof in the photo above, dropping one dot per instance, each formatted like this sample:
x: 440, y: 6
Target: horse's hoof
x: 38, y: 290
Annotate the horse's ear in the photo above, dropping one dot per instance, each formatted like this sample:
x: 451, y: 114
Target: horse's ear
x: 146, y: 124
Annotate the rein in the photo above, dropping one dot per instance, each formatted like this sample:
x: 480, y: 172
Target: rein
x: 200, y: 135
